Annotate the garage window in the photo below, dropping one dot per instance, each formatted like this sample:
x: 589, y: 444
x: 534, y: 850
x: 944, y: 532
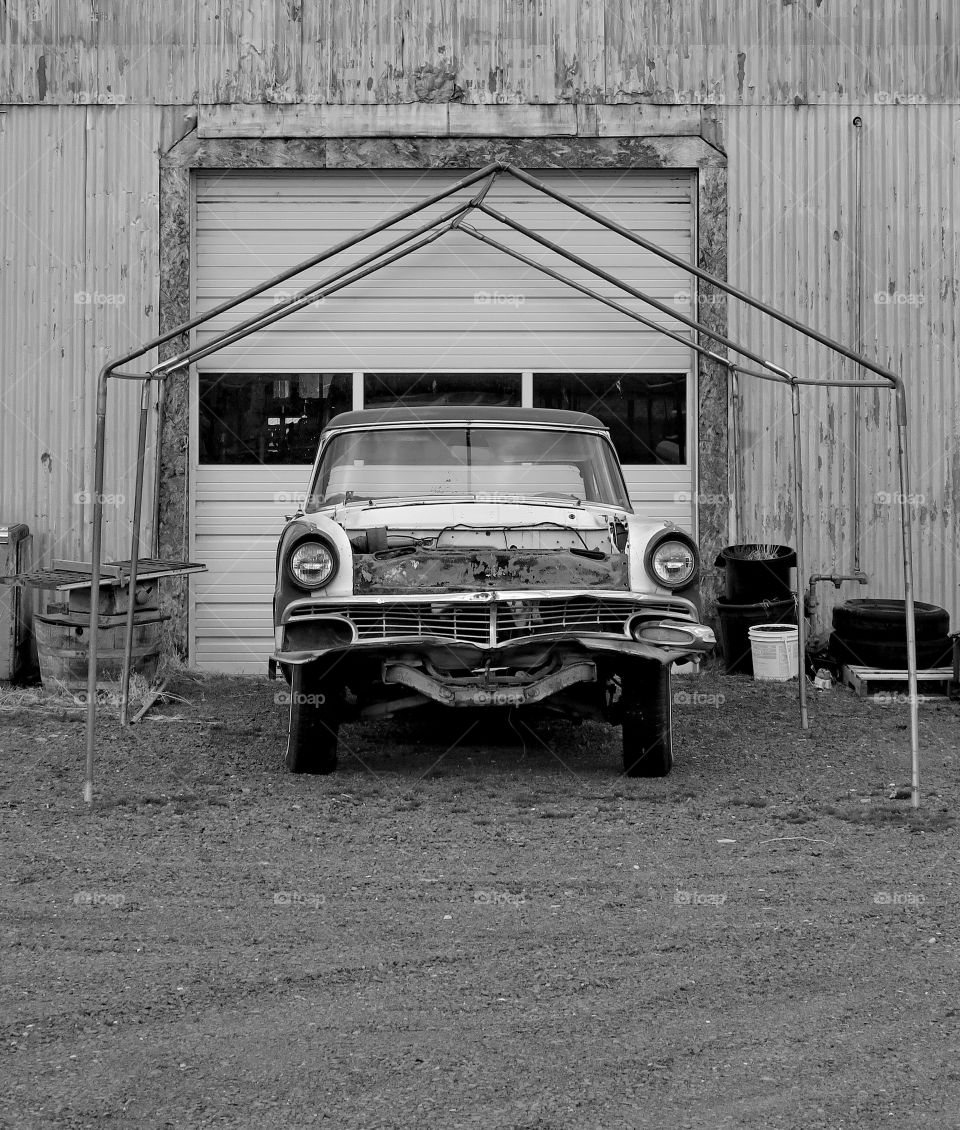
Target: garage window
x: 645, y: 412
x: 413, y: 390
x: 268, y: 417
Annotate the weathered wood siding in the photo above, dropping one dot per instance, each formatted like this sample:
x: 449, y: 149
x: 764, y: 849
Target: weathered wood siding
x: 710, y: 52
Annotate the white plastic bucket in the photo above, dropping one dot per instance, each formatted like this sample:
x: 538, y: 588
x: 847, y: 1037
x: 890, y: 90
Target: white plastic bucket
x: 774, y: 651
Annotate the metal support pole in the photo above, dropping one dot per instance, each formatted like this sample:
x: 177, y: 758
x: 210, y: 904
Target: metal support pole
x: 96, y: 539
x: 906, y: 525
x: 557, y: 249
x: 331, y: 283
x: 801, y: 557
x: 134, y: 554
x: 688, y: 343
x: 161, y: 413
x: 737, y: 448
x: 700, y: 273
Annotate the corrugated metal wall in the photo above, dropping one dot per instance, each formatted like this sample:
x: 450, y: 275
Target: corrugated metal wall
x: 795, y: 203
x: 501, y: 51
x: 784, y: 82
x: 79, y: 282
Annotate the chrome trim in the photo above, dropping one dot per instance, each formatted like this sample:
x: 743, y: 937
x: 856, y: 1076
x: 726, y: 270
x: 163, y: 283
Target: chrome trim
x: 490, y: 618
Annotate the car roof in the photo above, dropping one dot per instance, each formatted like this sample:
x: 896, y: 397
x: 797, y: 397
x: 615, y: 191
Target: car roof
x: 464, y: 414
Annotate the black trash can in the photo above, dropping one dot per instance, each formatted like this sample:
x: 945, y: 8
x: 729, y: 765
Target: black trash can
x: 736, y: 620
x: 757, y: 572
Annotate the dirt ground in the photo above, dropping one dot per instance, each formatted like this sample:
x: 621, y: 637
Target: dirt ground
x: 469, y: 926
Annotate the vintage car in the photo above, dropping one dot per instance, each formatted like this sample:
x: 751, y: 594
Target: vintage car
x: 485, y: 558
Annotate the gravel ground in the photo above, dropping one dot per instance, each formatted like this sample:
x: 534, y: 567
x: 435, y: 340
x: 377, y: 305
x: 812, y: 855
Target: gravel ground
x: 474, y: 926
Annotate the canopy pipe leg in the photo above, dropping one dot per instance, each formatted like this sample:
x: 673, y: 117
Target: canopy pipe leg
x: 134, y: 555
x: 906, y: 527
x: 97, y: 535
x: 801, y: 563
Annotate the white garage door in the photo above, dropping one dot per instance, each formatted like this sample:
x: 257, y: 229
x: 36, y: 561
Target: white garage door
x: 456, y: 322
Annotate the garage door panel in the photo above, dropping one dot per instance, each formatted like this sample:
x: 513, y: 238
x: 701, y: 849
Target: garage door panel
x: 507, y: 353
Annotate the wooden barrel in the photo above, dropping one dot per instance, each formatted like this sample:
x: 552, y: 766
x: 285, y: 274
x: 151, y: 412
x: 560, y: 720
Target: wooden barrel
x: 63, y: 649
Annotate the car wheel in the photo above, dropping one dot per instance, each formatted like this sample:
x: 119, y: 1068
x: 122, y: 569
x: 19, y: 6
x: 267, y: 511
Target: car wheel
x: 647, y: 720
x: 890, y: 656
x: 313, y: 723
x: 883, y: 619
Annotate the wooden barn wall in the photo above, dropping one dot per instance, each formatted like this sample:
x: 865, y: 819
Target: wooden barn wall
x: 79, y: 275
x: 865, y: 250
x: 712, y: 52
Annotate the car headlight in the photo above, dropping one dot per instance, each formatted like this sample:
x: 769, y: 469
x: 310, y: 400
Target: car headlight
x: 312, y: 563
x: 673, y: 562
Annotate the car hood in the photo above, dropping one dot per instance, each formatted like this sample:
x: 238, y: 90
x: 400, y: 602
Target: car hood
x: 477, y: 510
x: 468, y: 543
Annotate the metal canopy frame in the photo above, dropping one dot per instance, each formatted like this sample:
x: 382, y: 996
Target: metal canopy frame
x: 455, y: 219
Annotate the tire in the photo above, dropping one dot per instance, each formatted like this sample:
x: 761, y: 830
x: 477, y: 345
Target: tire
x: 313, y: 723
x: 891, y: 656
x: 647, y: 725
x: 883, y: 619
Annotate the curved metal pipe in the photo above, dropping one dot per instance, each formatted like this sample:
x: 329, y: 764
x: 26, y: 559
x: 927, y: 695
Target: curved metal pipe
x: 700, y: 273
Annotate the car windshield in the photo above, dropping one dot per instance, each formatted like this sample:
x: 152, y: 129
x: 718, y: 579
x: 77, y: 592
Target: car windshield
x: 495, y: 464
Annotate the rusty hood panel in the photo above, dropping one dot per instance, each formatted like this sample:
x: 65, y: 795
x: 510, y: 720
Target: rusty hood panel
x: 467, y: 570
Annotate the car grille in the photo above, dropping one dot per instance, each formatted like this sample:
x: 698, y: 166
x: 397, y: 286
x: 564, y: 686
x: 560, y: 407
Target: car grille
x: 469, y: 623
x: 512, y: 619
x: 518, y: 618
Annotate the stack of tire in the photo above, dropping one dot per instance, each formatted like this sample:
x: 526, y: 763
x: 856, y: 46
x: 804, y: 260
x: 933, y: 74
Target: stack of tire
x: 873, y: 633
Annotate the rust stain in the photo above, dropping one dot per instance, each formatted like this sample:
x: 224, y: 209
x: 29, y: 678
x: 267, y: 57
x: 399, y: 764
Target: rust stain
x: 434, y: 84
x: 400, y: 571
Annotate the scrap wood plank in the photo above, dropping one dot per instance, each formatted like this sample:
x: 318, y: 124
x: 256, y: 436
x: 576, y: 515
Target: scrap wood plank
x: 116, y: 573
x: 152, y: 696
x: 867, y: 680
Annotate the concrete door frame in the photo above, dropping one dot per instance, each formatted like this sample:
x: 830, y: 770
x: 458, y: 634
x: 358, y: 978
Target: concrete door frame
x: 683, y: 153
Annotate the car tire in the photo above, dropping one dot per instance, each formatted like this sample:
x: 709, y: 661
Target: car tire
x: 647, y: 720
x: 890, y: 656
x: 313, y: 724
x: 884, y: 619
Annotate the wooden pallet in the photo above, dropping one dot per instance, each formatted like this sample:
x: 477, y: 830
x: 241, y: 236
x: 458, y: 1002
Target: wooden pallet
x: 869, y: 682
x: 66, y: 575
